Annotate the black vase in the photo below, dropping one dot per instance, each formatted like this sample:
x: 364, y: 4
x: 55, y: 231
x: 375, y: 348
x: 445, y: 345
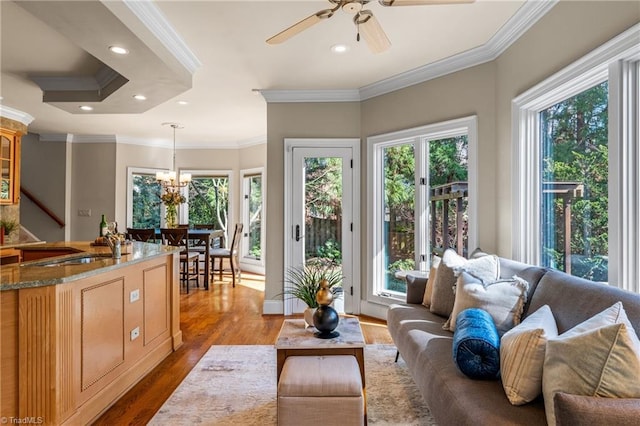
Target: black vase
x: 325, y: 320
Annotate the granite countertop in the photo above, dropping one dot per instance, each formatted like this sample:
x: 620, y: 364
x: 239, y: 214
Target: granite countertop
x: 45, y: 272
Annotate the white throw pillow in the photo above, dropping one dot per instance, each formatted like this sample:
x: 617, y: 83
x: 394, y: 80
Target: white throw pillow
x: 504, y: 300
x: 486, y: 268
x: 598, y: 357
x: 433, y: 271
x: 522, y: 352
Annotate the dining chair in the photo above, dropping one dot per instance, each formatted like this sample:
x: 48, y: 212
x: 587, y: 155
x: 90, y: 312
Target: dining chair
x: 178, y: 237
x: 232, y: 253
x: 141, y: 234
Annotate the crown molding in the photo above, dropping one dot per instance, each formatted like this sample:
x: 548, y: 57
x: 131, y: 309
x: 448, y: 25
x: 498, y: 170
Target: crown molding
x: 16, y: 115
x: 151, y: 16
x: 93, y: 139
x: 54, y: 137
x: 346, y: 95
x: 526, y: 16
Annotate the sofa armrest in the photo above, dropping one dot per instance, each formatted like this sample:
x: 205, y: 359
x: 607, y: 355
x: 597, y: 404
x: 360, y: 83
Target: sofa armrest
x: 415, y: 288
x: 577, y: 410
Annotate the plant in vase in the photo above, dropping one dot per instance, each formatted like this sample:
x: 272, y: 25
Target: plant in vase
x: 171, y: 200
x: 303, y: 283
x: 8, y: 225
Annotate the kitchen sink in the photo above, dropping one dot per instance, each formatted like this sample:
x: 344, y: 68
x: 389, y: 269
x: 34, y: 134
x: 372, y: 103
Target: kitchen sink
x: 70, y: 260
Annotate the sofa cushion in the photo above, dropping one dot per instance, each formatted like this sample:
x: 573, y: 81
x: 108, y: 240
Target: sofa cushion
x: 476, y: 345
x: 486, y: 268
x: 578, y: 410
x: 599, y: 357
x: 433, y: 271
x: 522, y: 352
x: 574, y: 300
x: 503, y: 300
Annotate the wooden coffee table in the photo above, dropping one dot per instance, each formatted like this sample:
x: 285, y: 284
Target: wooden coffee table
x: 295, y: 340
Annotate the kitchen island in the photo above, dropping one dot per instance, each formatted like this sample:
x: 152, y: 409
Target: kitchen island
x: 78, y: 330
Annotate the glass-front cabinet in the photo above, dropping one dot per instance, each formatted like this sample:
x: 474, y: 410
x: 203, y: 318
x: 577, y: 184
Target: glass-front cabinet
x: 9, y: 166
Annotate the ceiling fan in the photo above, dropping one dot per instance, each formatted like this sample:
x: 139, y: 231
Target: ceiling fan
x: 366, y: 23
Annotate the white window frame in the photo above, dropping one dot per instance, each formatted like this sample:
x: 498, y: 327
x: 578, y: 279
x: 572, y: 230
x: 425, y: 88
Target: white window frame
x: 247, y: 263
x: 617, y: 61
x: 184, y: 208
x: 420, y: 137
x: 138, y: 171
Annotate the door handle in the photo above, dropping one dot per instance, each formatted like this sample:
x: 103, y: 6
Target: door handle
x: 297, y: 232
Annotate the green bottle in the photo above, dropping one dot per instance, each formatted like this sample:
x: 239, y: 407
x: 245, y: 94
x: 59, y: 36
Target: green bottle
x: 103, y: 227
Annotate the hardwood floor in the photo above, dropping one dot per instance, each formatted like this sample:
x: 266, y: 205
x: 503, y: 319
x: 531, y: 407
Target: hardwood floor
x: 221, y: 316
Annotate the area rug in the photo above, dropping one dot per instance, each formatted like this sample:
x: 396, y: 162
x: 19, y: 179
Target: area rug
x: 236, y: 385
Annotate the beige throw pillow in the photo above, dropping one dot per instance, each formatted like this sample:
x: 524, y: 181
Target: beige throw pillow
x: 486, y: 268
x: 522, y: 352
x: 428, y: 291
x: 504, y: 300
x: 599, y: 357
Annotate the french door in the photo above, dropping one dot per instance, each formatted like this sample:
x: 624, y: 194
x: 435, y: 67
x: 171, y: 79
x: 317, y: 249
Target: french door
x: 320, y: 203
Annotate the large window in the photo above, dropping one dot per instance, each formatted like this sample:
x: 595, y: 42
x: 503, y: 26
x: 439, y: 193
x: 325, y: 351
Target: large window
x: 208, y: 200
x: 253, y: 218
x: 576, y: 185
x: 574, y: 178
x: 144, y: 209
x: 422, y: 200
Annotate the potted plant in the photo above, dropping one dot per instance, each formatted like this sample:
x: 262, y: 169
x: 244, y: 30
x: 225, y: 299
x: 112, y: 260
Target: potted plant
x: 8, y: 225
x: 303, y: 282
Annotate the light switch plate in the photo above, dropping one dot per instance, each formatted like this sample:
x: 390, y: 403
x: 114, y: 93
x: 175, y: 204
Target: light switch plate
x: 84, y: 212
x: 134, y: 295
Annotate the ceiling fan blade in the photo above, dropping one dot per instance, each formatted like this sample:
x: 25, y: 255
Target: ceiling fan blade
x: 300, y: 26
x: 372, y: 32
x: 420, y: 2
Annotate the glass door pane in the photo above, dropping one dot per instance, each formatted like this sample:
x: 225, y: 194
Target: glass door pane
x: 448, y: 194
x: 323, y: 210
x: 399, y: 214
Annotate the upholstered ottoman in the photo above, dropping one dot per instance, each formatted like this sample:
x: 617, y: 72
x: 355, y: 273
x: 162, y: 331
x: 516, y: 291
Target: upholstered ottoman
x: 323, y: 390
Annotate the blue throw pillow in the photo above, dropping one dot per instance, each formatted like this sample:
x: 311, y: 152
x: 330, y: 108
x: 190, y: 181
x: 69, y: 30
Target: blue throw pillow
x: 476, y: 345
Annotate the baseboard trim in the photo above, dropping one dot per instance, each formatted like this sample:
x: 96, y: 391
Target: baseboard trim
x: 273, y: 307
x: 373, y: 310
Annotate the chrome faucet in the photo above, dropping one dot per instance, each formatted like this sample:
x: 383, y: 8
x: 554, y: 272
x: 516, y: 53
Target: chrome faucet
x: 115, y: 245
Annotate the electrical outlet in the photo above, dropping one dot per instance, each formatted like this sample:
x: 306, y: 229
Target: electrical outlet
x: 134, y: 295
x: 84, y: 212
x: 135, y: 333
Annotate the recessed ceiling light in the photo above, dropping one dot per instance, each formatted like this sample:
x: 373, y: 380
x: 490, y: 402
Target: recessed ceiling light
x: 339, y: 48
x: 119, y: 50
x: 183, y: 103
x: 140, y: 97
x: 86, y: 108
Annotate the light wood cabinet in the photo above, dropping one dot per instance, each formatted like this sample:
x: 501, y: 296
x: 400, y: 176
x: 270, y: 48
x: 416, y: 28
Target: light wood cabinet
x: 9, y: 166
x: 70, y: 350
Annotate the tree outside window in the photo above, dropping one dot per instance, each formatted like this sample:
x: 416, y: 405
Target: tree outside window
x: 574, y: 172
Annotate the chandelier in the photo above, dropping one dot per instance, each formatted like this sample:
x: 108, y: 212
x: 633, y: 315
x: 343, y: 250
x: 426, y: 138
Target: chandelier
x: 171, y: 181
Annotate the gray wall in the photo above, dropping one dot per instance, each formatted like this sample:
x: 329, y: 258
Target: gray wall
x: 93, y: 186
x: 43, y: 168
x: 569, y: 31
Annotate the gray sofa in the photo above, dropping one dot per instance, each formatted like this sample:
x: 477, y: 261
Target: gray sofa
x: 457, y: 400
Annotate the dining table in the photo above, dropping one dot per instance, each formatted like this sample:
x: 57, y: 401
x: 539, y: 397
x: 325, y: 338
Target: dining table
x: 203, y: 237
